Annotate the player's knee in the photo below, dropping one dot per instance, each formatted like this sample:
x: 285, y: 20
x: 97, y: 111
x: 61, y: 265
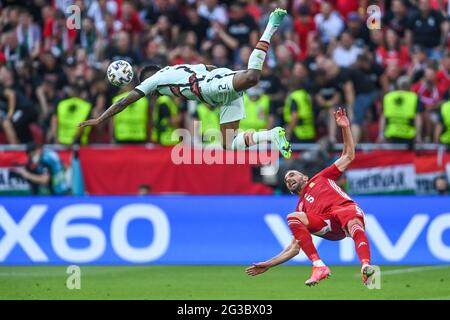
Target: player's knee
x: 355, y: 221
x: 300, y: 216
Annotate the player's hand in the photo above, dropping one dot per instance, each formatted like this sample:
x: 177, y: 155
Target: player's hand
x: 91, y: 122
x: 341, y: 118
x: 257, y: 268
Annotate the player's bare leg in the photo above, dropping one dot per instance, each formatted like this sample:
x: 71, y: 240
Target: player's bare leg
x: 298, y: 223
x: 246, y: 79
x: 356, y: 230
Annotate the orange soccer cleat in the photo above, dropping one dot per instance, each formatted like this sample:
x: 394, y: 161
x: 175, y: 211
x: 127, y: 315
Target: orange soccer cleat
x: 317, y: 274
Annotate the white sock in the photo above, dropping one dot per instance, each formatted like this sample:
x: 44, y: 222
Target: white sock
x: 318, y: 263
x: 239, y: 142
x: 262, y: 136
x: 258, y: 55
x: 268, y: 32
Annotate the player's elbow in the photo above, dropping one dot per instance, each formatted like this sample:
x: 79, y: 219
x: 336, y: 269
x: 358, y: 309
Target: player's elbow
x: 253, y: 77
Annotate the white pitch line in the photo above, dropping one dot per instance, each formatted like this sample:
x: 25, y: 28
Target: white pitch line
x: 409, y: 270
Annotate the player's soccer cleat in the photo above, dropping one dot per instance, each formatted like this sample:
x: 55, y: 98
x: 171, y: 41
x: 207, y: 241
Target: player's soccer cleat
x: 279, y: 138
x: 367, y: 271
x: 318, y: 274
x: 277, y: 16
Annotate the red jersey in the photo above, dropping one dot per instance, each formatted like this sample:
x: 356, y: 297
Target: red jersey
x: 322, y: 195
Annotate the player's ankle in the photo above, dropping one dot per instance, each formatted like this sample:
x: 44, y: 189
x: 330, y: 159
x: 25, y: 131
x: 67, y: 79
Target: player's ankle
x: 318, y: 263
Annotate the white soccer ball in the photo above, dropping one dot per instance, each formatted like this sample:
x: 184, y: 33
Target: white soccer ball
x: 119, y: 73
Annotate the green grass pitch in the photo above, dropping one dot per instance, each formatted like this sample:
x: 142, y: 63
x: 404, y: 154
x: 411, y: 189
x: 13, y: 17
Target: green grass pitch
x: 220, y: 282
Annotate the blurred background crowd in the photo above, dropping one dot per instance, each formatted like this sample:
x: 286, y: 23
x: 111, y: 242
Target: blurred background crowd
x: 390, y: 68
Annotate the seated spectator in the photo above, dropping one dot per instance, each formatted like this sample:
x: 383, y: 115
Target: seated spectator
x: 400, y: 121
x: 16, y: 110
x: 214, y: 12
x: 28, y: 35
x: 328, y: 22
x: 195, y: 22
x: 346, y: 52
x: 154, y: 52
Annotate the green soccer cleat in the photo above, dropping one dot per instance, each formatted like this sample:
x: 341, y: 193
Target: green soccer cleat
x: 276, y: 17
x: 279, y: 138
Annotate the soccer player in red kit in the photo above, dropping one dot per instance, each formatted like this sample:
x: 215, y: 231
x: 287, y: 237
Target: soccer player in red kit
x: 324, y: 210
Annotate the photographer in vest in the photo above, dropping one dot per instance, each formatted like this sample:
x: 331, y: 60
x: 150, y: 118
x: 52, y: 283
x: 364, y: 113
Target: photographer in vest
x: 400, y: 121
x: 69, y: 112
x: 132, y: 124
x: 207, y: 125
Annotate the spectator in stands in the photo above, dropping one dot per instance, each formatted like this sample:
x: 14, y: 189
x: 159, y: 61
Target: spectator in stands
x: 28, y: 35
x: 17, y: 112
x: 298, y: 112
x: 121, y: 50
x: 304, y: 27
x: 392, y: 52
x: 195, y: 22
x: 214, y: 12
x: 346, y: 52
x: 155, y: 52
x: 366, y: 94
x: 443, y: 75
x: 429, y: 98
x: 357, y: 27
x: 441, y: 185
x: 326, y: 97
x: 329, y: 23
x: 397, y: 18
x: 44, y: 168
x: 400, y: 121
x: 429, y: 29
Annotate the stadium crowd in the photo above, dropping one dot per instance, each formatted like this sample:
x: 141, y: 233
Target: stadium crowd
x: 390, y: 68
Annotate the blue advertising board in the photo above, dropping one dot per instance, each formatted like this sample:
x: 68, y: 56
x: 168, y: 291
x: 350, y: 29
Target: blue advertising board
x: 208, y: 230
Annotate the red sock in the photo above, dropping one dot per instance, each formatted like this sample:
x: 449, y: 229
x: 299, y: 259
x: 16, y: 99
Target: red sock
x: 361, y: 243
x: 302, y: 235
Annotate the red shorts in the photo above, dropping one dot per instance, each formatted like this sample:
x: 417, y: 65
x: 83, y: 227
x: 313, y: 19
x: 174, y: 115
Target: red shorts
x: 333, y: 225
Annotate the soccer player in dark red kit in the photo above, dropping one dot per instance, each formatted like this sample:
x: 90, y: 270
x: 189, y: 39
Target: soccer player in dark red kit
x: 324, y: 210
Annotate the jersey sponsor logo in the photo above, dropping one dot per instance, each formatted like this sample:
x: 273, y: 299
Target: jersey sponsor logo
x: 312, y: 184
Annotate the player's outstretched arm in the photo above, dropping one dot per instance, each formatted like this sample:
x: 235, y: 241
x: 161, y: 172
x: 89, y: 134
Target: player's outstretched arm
x: 348, y: 152
x: 287, y: 254
x: 115, y: 108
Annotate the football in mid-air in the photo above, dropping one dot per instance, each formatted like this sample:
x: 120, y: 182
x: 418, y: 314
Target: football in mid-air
x: 120, y: 72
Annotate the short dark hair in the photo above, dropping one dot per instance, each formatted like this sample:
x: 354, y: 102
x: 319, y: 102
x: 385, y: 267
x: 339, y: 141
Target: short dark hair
x: 146, y: 69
